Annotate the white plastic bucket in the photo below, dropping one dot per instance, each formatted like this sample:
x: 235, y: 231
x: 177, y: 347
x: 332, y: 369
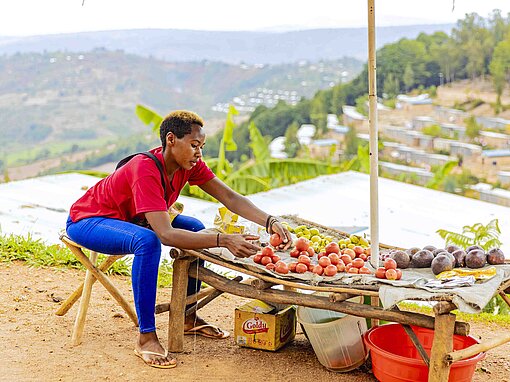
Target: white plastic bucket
x: 336, y: 337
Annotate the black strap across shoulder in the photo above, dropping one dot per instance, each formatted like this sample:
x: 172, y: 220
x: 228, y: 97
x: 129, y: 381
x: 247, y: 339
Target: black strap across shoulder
x: 123, y: 161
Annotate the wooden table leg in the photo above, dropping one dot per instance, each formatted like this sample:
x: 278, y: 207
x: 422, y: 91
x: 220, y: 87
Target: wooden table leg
x: 178, y: 305
x: 439, y: 369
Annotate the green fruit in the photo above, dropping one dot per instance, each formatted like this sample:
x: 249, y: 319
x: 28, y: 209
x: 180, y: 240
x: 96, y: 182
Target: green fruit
x: 300, y: 228
x: 315, y: 238
x: 299, y: 234
x: 351, y: 246
x: 314, y: 231
x: 354, y: 239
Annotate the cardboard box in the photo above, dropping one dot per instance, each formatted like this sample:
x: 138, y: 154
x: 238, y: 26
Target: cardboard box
x: 262, y: 326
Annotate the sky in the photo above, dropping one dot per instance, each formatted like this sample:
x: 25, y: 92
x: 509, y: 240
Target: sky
x: 36, y: 17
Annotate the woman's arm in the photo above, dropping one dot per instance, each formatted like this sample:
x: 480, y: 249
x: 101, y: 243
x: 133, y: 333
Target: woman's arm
x: 242, y: 206
x: 239, y: 245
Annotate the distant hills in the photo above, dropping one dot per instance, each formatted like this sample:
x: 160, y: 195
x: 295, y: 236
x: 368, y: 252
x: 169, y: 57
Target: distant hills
x: 230, y: 47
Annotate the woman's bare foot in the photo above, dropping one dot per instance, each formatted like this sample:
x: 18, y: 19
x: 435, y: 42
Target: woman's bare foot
x: 149, y: 343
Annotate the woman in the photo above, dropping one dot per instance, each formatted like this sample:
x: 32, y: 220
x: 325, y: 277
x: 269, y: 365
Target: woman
x: 127, y: 212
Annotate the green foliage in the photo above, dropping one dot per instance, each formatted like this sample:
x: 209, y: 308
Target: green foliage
x: 292, y: 144
x: 36, y: 253
x: 500, y: 67
x: 432, y: 130
x: 440, y: 175
x: 149, y: 117
x: 352, y: 142
x: 486, y: 236
x: 472, y: 127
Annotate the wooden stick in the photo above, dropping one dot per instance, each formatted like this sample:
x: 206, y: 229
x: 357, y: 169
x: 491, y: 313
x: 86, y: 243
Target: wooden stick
x: 165, y: 307
x: 478, y: 348
x: 443, y: 307
x: 313, y: 301
x: 79, y: 323
x: 178, y: 305
x: 416, y: 342
x: 505, y: 297
x: 338, y: 297
x: 442, y: 344
x: 374, y: 301
x: 364, y: 290
x: 209, y: 298
x: 103, y: 279
x: 261, y: 284
x: 67, y: 304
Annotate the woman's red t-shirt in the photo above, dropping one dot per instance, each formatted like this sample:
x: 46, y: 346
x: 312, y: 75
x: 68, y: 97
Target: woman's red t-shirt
x: 136, y: 188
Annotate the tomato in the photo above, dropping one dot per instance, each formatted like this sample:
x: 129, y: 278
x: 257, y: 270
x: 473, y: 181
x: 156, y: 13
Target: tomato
x: 330, y: 270
x: 267, y: 251
x: 310, y: 251
x: 380, y: 273
x: 324, y: 261
x: 340, y: 266
x: 275, y: 258
x: 292, y: 266
x: 358, y: 249
x: 266, y: 260
x: 304, y: 253
x: 346, y: 259
x: 391, y: 274
x: 294, y: 253
x: 365, y: 271
x: 334, y: 258
x: 350, y: 252
x: 358, y: 263
x: 270, y: 266
x: 310, y: 267
x: 390, y: 264
x: 368, y: 251
x: 399, y: 273
x: 257, y: 258
x: 332, y: 248
x: 363, y: 257
x: 304, y: 260
x: 302, y: 244
x: 275, y: 240
x: 281, y: 267
x: 353, y: 270
x: 301, y: 268
x: 320, y: 254
x: 318, y: 270
x: 348, y: 266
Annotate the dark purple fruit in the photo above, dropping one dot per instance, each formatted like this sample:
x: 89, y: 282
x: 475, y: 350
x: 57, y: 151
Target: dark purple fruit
x: 441, y: 263
x: 460, y: 258
x: 437, y: 251
x: 422, y: 259
x: 496, y: 256
x: 471, y: 247
x: 430, y: 248
x: 401, y: 258
x: 476, y: 258
x: 451, y: 248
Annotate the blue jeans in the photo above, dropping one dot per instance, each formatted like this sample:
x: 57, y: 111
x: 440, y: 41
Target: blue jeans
x: 115, y: 237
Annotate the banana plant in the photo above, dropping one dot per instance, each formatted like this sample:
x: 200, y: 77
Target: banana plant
x: 440, y: 175
x: 486, y: 236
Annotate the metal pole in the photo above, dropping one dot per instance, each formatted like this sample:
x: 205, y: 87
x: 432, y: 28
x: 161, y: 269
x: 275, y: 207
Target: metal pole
x: 373, y: 142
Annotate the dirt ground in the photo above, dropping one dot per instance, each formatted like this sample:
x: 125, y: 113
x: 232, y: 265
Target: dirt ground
x: 36, y: 344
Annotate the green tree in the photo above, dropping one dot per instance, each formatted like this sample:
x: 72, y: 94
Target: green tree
x: 292, y: 144
x: 472, y: 128
x: 408, y: 77
x: 486, y: 236
x: 351, y: 142
x: 391, y: 86
x: 500, y: 67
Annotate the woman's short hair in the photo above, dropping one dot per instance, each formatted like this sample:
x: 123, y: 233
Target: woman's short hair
x: 179, y: 123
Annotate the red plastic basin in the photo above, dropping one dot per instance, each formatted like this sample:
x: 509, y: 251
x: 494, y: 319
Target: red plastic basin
x: 395, y: 358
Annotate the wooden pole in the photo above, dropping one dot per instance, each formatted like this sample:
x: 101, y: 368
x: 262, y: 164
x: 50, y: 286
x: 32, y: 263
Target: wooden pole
x: 67, y: 304
x: 314, y: 301
x: 478, y: 348
x: 373, y: 141
x: 505, y: 297
x: 178, y: 305
x: 442, y: 344
x: 79, y: 323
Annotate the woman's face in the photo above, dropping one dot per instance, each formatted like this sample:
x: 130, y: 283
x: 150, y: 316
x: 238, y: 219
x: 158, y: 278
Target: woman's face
x: 188, y: 149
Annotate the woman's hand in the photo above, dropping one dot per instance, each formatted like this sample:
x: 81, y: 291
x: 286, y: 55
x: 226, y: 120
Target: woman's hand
x: 239, y: 245
x: 284, y: 233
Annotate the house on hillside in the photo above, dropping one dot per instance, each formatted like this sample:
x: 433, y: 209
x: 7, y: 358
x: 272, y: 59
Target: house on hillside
x: 456, y: 148
x: 422, y: 176
x: 504, y: 177
x: 453, y: 131
x: 498, y: 158
x: 321, y: 148
x: 305, y: 134
x: 500, y: 124
x: 422, y: 121
x: 493, y: 139
x: 450, y: 115
x: 332, y: 121
x: 415, y: 156
x: 277, y: 148
x: 351, y: 117
x: 496, y: 196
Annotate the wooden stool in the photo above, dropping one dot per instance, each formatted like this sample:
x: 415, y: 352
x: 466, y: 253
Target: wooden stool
x: 84, y: 290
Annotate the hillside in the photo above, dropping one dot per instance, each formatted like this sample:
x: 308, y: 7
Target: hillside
x: 232, y: 47
x: 64, y: 96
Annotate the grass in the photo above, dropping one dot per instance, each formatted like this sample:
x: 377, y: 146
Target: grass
x: 36, y: 253
x: 484, y: 317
